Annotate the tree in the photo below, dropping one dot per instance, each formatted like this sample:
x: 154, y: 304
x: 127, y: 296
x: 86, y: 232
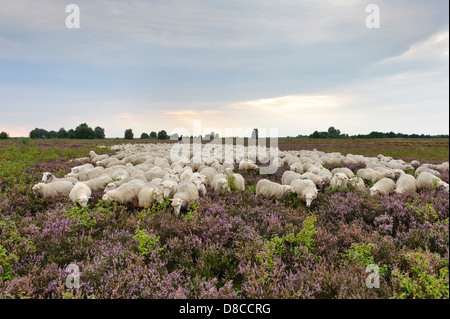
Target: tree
x: 129, y: 134
x: 71, y: 134
x: 39, y: 133
x: 162, y: 135
x: 153, y: 134
x: 83, y: 131
x: 333, y: 132
x: 99, y: 133
x: 4, y: 135
x: 62, y: 133
x: 52, y: 134
x: 144, y: 136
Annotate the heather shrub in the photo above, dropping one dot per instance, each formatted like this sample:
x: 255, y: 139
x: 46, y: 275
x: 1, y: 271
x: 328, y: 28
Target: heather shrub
x: 425, y: 276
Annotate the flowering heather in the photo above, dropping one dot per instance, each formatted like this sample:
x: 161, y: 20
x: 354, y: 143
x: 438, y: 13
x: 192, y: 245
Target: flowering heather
x: 225, y: 245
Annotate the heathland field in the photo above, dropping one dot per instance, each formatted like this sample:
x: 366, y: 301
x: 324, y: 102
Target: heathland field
x: 228, y: 244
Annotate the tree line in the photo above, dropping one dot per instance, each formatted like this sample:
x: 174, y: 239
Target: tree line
x: 82, y: 131
x: 333, y: 133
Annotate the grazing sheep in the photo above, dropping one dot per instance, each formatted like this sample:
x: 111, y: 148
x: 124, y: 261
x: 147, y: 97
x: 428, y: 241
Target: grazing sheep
x: 357, y: 183
x: 48, y: 177
x: 219, y: 182
x: 326, y: 175
x: 86, y: 175
x: 428, y: 180
x: 186, y: 192
x: 99, y: 183
x: 77, y: 169
x: 209, y: 174
x: 348, y: 172
x: 125, y: 193
x: 339, y: 180
x: 297, y: 167
x: 289, y: 176
x: 427, y: 169
x: 239, y: 181
x: 405, y: 183
x: 53, y: 189
x: 80, y: 194
x: 200, y: 187
x: 374, y: 176
x: 247, y: 166
x: 272, y: 190
x: 169, y: 187
x: 305, y: 189
x: 383, y: 186
x: 146, y: 196
x: 315, y: 178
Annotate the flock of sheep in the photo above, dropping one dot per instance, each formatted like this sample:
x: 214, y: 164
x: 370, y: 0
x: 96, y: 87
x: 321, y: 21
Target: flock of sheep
x: 143, y: 174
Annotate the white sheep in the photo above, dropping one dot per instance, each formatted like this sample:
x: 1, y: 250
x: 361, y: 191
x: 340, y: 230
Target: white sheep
x: 427, y: 169
x: 297, y: 167
x: 405, y: 182
x: 146, y: 196
x: 219, y: 183
x: 374, y: 176
x: 99, y: 183
x: 86, y: 175
x: 53, y: 189
x: 239, y: 181
x: 305, y: 189
x: 186, y: 192
x: 79, y: 168
x: 289, y: 176
x: 272, y: 190
x: 357, y: 183
x: 383, y: 186
x: 48, y: 177
x: 80, y: 194
x: 428, y: 180
x: 125, y: 193
x: 209, y: 174
x: 315, y: 178
x: 248, y: 166
x: 339, y: 180
x: 348, y: 172
x: 200, y: 187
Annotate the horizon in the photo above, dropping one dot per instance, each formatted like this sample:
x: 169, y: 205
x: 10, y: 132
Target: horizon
x: 294, y: 66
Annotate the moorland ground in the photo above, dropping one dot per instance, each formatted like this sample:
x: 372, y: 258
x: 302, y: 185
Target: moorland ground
x: 229, y: 245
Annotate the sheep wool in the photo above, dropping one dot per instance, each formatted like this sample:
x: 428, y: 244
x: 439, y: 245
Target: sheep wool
x: 80, y: 194
x: 383, y: 187
x: 266, y: 188
x: 53, y: 189
x: 405, y: 183
x: 305, y: 189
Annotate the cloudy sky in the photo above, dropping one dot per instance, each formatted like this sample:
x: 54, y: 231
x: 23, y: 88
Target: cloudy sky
x: 293, y: 65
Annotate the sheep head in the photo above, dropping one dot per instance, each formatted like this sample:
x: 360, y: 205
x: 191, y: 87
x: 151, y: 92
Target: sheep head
x: 287, y: 189
x: 176, y: 204
x: 83, y: 201
x: 373, y: 191
x: 47, y: 177
x: 37, y: 189
x: 309, y: 198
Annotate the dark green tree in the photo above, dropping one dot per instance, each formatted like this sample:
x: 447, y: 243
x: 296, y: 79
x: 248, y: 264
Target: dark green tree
x: 83, y: 131
x: 129, y: 134
x: 4, y: 135
x: 62, y: 133
x: 144, y: 136
x: 162, y: 135
x: 99, y: 133
x: 153, y: 134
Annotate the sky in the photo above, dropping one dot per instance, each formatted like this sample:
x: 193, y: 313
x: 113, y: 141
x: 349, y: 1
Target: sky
x: 293, y: 66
